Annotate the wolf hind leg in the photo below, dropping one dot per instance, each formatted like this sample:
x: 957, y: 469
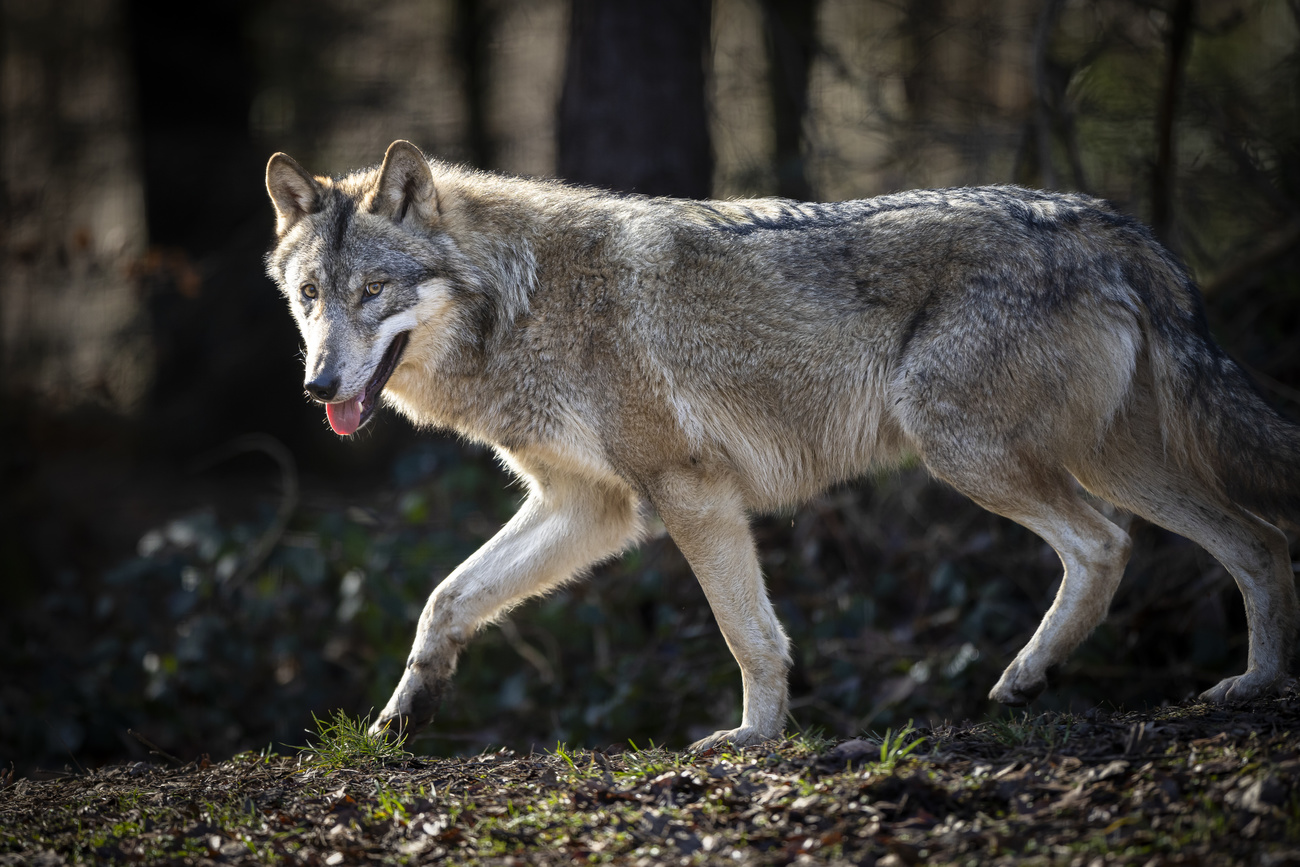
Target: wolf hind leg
x: 1093, y: 552
x: 562, y: 528
x: 1132, y: 472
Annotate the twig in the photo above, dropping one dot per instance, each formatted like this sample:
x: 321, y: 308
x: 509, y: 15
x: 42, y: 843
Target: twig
x: 531, y: 654
x: 68, y: 747
x: 154, y: 749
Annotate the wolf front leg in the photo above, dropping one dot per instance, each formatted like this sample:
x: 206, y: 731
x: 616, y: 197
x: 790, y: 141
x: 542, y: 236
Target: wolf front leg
x: 706, y: 518
x: 562, y: 528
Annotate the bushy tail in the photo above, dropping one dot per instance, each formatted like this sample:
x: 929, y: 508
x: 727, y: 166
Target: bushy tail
x: 1214, y: 419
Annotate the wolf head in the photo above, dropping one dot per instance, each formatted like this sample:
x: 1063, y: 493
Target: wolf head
x: 363, y: 262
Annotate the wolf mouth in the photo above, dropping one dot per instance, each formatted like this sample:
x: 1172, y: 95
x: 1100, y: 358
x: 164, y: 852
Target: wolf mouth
x: 348, y: 416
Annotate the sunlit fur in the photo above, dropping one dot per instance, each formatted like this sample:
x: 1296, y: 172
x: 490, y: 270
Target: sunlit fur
x: 713, y: 359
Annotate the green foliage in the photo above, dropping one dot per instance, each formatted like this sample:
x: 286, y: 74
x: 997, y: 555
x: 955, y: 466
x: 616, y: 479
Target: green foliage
x: 342, y: 742
x: 563, y: 754
x: 896, y: 746
x: 648, y: 762
x: 885, y: 628
x: 809, y: 740
x: 388, y: 804
x: 1012, y: 730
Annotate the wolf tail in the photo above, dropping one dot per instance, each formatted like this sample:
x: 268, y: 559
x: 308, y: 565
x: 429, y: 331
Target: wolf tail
x: 1213, y: 419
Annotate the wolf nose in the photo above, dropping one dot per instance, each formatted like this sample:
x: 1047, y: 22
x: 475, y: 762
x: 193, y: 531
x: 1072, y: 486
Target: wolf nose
x: 323, y: 388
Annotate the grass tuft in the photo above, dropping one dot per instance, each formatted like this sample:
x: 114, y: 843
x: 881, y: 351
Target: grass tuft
x: 895, y: 746
x: 809, y: 740
x: 646, y: 763
x: 342, y: 742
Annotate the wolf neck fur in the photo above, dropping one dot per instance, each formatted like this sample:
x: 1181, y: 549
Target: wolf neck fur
x: 498, y: 225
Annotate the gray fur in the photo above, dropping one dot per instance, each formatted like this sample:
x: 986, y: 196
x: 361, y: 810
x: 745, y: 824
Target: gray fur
x: 713, y: 359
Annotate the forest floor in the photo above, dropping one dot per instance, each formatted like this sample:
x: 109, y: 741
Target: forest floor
x: 1188, y: 784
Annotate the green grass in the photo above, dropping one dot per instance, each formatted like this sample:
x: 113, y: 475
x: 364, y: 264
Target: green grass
x: 809, y: 740
x: 343, y: 742
x: 646, y: 763
x: 1052, y: 730
x: 929, y: 798
x: 896, y: 746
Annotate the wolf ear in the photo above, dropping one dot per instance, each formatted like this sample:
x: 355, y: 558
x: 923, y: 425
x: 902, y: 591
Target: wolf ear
x: 406, y: 186
x: 294, y: 193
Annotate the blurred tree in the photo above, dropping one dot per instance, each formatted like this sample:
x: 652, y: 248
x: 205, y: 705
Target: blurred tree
x: 923, y: 26
x: 71, y: 209
x: 791, y: 43
x: 632, y: 112
x: 194, y: 85
x: 217, y: 325
x: 475, y: 26
x: 1177, y: 43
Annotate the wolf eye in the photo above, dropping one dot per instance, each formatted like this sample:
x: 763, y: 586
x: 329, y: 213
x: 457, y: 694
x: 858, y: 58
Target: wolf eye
x: 309, y: 290
x: 373, y: 289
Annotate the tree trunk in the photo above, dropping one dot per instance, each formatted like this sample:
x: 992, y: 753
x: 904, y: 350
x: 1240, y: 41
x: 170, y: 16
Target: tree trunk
x: 632, y: 112
x: 791, y: 33
x: 71, y: 207
x: 1162, y: 179
x: 474, y: 22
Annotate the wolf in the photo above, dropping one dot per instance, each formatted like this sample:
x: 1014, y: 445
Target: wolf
x: 713, y: 359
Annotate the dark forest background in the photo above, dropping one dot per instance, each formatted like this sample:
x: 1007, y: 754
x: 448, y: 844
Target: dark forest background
x: 186, y: 551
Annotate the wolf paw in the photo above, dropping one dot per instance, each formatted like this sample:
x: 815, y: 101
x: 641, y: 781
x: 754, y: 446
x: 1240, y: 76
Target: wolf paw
x: 1018, y: 686
x: 745, y: 736
x: 1242, y: 688
x: 410, y: 709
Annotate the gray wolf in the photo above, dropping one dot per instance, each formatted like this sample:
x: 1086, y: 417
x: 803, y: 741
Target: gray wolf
x: 714, y: 359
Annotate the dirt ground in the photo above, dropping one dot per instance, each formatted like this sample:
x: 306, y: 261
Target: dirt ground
x: 1190, y: 784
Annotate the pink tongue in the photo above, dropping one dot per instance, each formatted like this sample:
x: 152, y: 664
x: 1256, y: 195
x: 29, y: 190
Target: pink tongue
x: 344, y: 417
